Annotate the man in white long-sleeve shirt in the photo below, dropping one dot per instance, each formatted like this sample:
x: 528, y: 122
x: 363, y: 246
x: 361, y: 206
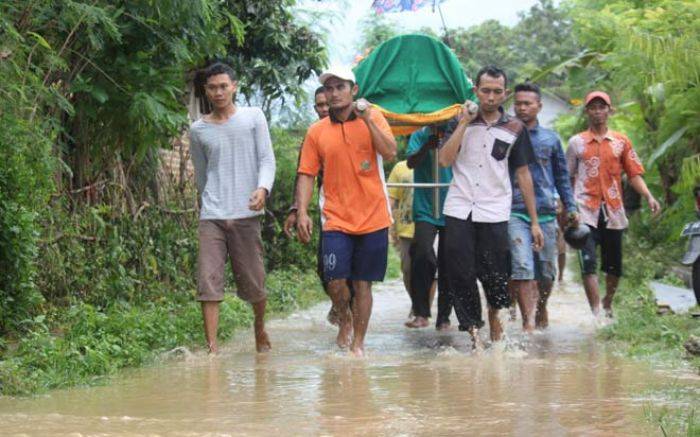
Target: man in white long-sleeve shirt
x: 234, y: 168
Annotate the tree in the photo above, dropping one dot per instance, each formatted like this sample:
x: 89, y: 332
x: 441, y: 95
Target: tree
x: 92, y: 89
x: 278, y: 52
x: 647, y: 51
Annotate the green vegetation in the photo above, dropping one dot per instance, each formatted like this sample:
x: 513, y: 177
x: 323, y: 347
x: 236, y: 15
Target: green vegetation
x: 82, y: 343
x: 638, y: 328
x: 97, y: 248
x: 642, y: 334
x: 118, y: 290
x: 542, y: 37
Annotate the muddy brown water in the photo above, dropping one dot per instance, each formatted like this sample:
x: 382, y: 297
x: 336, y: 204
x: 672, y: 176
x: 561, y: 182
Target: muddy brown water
x: 559, y: 382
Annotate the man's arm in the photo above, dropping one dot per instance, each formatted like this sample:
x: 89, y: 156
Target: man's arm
x: 382, y: 139
x: 266, y: 156
x: 414, y: 159
x: 266, y: 163
x: 562, y: 180
x: 572, y: 163
x: 199, y: 161
x: 522, y: 175
x: 291, y: 221
x: 640, y: 187
x: 449, y: 152
x: 384, y: 144
x: 394, y: 203
x: 634, y: 170
x: 305, y: 189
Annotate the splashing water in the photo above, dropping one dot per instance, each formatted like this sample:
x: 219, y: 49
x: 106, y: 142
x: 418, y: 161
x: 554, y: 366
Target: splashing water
x: 560, y: 381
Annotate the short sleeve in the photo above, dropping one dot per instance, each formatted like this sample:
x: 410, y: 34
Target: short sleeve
x: 630, y: 160
x: 310, y: 159
x: 521, y: 153
x: 416, y: 141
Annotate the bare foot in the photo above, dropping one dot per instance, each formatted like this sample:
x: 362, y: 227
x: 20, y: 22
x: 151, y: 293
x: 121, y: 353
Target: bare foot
x: 608, y: 312
x: 357, y: 351
x: 513, y: 313
x: 213, y: 348
x: 344, y: 333
x: 418, y: 322
x: 333, y: 317
x: 443, y: 326
x: 262, y: 341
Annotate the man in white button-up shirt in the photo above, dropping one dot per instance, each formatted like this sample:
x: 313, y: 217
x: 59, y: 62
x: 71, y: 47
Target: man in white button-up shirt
x: 485, y: 149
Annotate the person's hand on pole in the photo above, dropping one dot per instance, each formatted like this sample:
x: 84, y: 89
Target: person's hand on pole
x: 468, y: 112
x: 362, y: 109
x: 290, y: 223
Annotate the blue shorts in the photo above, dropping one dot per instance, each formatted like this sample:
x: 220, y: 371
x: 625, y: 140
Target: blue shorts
x: 355, y: 257
x: 526, y: 264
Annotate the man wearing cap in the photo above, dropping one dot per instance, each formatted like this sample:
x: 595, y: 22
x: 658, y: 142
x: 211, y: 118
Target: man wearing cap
x: 596, y: 159
x: 533, y: 273
x: 485, y: 149
x: 349, y: 145
x: 321, y: 107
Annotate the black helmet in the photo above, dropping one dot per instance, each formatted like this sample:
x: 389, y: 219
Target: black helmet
x: 576, y: 236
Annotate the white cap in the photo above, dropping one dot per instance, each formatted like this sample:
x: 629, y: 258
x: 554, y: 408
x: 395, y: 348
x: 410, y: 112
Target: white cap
x: 341, y: 72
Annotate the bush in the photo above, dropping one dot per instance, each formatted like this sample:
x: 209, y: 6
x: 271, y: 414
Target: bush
x: 281, y: 251
x: 25, y: 183
x: 87, y: 343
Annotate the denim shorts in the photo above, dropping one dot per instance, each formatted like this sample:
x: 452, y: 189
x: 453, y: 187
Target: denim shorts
x: 526, y: 264
x: 355, y: 257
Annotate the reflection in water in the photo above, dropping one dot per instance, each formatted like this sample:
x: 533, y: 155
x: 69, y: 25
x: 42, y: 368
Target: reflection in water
x: 412, y: 383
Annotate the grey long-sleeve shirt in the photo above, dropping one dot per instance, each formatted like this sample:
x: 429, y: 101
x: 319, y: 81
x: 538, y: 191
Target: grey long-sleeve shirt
x: 231, y: 160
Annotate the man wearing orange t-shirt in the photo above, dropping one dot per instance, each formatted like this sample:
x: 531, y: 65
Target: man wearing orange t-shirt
x: 596, y: 158
x: 349, y: 146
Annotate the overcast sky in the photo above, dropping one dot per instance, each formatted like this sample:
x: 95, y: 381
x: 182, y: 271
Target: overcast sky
x: 457, y: 13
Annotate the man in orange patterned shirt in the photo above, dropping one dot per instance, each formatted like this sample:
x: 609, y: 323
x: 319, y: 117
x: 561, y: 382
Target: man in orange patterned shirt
x: 596, y: 159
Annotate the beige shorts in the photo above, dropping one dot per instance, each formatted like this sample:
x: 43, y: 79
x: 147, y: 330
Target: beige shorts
x: 238, y: 241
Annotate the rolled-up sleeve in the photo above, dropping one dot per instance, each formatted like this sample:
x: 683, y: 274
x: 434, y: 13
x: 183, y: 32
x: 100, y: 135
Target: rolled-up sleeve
x: 266, y: 156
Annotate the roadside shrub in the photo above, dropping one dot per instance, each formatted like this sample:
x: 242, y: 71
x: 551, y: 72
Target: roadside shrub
x: 25, y: 183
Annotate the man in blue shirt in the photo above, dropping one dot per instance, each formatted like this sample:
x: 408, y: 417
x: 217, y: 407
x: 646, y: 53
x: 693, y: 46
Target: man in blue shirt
x: 424, y: 262
x: 550, y: 177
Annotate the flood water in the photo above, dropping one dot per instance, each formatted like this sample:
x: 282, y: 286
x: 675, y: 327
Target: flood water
x: 559, y: 382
